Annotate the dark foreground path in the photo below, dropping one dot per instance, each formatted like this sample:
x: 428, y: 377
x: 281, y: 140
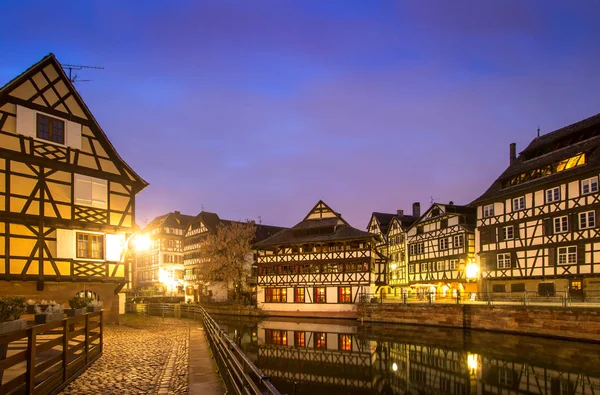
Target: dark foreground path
x: 151, y: 355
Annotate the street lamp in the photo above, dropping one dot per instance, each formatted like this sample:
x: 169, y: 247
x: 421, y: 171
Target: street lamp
x: 472, y: 270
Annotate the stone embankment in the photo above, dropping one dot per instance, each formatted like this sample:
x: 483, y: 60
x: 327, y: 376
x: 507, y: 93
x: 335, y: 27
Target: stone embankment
x: 560, y: 322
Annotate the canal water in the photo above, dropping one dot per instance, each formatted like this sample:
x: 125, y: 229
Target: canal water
x: 313, y: 356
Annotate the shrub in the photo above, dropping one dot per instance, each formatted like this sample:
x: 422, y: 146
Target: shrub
x: 11, y: 308
x: 78, y: 302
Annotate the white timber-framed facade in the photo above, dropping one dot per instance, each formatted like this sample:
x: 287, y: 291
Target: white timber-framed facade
x: 321, y: 266
x: 537, y: 225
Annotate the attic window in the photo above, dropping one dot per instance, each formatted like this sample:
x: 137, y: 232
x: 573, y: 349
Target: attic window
x: 50, y: 129
x: 556, y: 167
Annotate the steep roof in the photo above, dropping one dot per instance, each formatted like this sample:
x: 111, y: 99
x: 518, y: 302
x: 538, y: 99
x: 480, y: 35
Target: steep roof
x: 383, y: 219
x: 468, y: 212
x: 172, y: 220
x: 50, y: 59
x: 321, y: 224
x: 546, y: 151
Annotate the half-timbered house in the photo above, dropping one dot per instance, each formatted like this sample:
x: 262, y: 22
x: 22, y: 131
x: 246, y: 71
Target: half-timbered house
x: 320, y: 266
x: 160, y: 267
x: 537, y: 226
x: 67, y: 199
x: 441, y: 251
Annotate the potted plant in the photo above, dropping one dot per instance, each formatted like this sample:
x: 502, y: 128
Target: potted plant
x: 54, y: 312
x: 78, y: 306
x: 11, y: 309
x: 31, y: 306
x: 94, y: 305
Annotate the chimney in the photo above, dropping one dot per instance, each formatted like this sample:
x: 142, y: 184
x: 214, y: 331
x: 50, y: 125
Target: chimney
x: 451, y: 203
x: 513, y: 152
x: 177, y: 213
x: 400, y: 213
x: 416, y: 209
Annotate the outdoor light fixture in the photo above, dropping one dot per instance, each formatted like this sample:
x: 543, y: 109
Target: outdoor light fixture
x: 394, y: 367
x: 472, y: 270
x: 472, y: 363
x: 394, y: 266
x: 141, y: 242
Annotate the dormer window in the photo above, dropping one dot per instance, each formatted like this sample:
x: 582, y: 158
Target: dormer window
x: 50, y: 129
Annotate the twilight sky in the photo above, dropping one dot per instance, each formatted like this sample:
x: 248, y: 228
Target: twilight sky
x: 261, y: 108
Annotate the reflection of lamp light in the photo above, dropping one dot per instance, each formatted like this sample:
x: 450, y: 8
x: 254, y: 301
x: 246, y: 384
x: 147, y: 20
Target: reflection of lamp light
x: 472, y: 270
x: 394, y: 367
x: 472, y: 363
x: 394, y: 266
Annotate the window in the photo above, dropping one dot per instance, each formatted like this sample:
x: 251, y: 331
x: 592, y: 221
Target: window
x: 320, y: 295
x: 444, y: 223
x: 298, y: 295
x: 503, y: 261
x: 587, y: 220
x: 287, y: 269
x: 50, y: 129
x: 90, y: 191
x: 546, y: 289
x: 443, y: 243
x: 420, y: 229
x: 345, y: 295
x: 424, y: 267
x: 518, y: 287
x: 453, y: 264
x: 345, y: 342
x: 567, y: 255
x: 508, y: 233
x: 276, y: 295
x: 90, y: 246
x: 488, y: 211
x: 518, y: 203
x: 277, y: 337
x: 440, y: 266
x: 411, y: 268
x: 589, y: 186
x: 420, y: 248
x: 553, y: 195
x: 170, y: 243
x: 498, y: 288
x: 320, y: 340
x: 561, y: 224
x: 300, y: 339
x: 357, y: 267
x: 458, y: 241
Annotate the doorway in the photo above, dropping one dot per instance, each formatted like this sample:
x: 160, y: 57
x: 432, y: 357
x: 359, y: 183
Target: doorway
x: 576, y: 289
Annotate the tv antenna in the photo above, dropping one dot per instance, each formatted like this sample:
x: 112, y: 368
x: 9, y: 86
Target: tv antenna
x: 73, y: 77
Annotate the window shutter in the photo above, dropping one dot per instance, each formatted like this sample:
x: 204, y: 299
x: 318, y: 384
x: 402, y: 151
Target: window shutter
x: 552, y: 256
x: 73, y: 135
x: 548, y: 227
x: 573, y: 222
x: 483, y: 232
x: 83, y: 190
x: 500, y: 233
x: 65, y: 243
x: 581, y: 254
x: 99, y: 192
x: 516, y: 231
x: 26, y: 121
x: 513, y: 259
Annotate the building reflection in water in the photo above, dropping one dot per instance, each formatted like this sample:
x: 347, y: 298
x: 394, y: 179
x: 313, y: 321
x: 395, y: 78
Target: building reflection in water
x: 339, y: 357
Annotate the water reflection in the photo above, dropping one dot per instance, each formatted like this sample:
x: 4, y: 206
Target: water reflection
x: 335, y: 357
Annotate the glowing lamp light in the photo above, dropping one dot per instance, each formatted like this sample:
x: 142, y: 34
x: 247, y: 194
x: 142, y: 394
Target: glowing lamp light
x: 394, y: 367
x: 141, y: 243
x: 472, y: 363
x: 394, y: 266
x: 472, y: 270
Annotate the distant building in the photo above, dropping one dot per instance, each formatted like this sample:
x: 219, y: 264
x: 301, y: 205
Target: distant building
x: 67, y: 198
x: 441, y: 251
x: 537, y: 224
x: 322, y: 265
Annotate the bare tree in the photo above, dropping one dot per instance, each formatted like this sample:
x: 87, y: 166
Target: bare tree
x: 228, y: 252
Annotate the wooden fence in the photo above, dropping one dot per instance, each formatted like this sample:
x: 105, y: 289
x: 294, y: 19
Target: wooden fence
x: 43, y: 359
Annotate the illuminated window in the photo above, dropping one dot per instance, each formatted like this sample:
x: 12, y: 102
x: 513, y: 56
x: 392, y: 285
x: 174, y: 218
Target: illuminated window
x: 488, y: 211
x: 508, y: 232
x: 320, y: 340
x: 320, y: 296
x: 518, y: 203
x: 567, y: 255
x: 90, y: 246
x: 440, y: 266
x: 50, y: 129
x: 345, y: 342
x: 561, y: 224
x: 345, y: 295
x: 453, y: 264
x: 552, y: 168
x: 553, y: 195
x: 423, y: 267
x: 300, y: 339
x: 589, y: 186
x: 277, y: 337
x: 504, y: 261
x: 298, y: 295
x: 587, y: 220
x: 276, y: 295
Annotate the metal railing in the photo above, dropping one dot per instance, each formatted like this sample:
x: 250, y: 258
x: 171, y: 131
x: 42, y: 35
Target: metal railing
x: 43, y: 359
x: 528, y: 298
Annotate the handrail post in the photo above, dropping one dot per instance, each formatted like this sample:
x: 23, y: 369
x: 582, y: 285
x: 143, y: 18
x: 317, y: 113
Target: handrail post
x: 87, y: 338
x: 65, y: 345
x: 30, y: 372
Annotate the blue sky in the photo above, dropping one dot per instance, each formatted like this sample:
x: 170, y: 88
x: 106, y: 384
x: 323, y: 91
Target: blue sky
x: 261, y: 108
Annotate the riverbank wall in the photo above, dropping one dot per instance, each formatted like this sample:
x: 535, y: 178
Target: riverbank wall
x: 559, y: 322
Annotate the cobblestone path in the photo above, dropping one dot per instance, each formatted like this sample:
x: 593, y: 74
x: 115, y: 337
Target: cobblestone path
x: 143, y: 355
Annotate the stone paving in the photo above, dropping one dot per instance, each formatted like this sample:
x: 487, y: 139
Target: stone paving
x: 143, y: 355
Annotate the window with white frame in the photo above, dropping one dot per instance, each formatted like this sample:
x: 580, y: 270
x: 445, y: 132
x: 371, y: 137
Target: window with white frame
x: 453, y: 264
x: 503, y: 261
x: 411, y: 268
x: 488, y: 211
x: 440, y: 266
x: 587, y: 220
x: 553, y: 195
x: 567, y: 255
x: 419, y: 248
x: 443, y: 243
x: 423, y: 267
x: 518, y: 203
x: 508, y: 232
x: 589, y: 186
x: 457, y: 241
x: 90, y: 191
x: 561, y: 224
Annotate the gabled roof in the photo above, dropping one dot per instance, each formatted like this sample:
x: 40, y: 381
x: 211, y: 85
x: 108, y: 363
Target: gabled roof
x: 212, y: 222
x: 172, y: 220
x: 50, y: 60
x: 321, y: 224
x: 446, y: 210
x: 405, y: 222
x: 562, y: 144
x: 383, y: 219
